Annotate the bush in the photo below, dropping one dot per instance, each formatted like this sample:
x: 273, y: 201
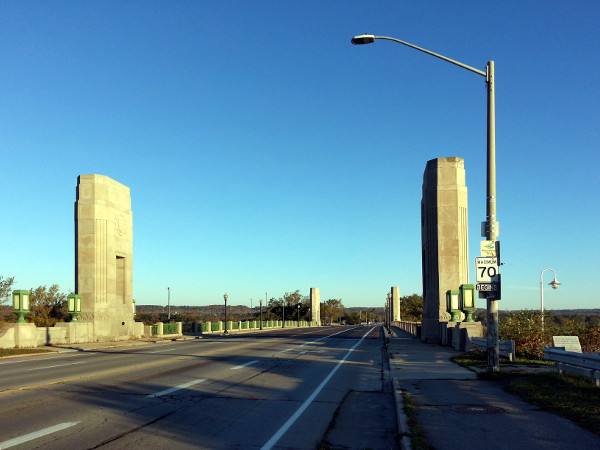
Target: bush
x: 525, y: 328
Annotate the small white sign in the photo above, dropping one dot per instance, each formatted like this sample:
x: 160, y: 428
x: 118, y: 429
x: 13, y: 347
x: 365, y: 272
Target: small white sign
x: 487, y: 270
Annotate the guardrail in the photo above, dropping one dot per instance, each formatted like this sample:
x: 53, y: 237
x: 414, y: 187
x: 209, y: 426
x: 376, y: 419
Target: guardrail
x: 585, y: 364
x: 507, y: 348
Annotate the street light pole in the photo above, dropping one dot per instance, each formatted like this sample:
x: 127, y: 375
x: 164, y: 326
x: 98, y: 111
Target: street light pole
x: 554, y: 283
x: 261, y: 314
x: 226, y: 331
x: 169, y: 303
x: 491, y: 224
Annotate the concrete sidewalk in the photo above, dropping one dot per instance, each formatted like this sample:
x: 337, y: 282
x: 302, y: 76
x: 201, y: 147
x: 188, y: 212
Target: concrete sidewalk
x: 456, y: 410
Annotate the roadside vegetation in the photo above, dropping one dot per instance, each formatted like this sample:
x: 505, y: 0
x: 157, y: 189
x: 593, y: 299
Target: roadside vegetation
x: 571, y: 396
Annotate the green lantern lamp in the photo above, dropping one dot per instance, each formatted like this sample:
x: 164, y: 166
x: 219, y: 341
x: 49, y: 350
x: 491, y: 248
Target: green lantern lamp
x: 21, y: 305
x: 74, y: 306
x: 467, y: 300
x: 452, y: 299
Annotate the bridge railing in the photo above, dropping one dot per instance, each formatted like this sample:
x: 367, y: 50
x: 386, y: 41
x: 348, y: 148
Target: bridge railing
x: 586, y: 364
x: 413, y: 328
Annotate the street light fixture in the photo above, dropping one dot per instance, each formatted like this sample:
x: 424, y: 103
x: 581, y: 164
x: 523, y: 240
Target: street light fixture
x: 225, y: 297
x: 554, y: 283
x: 21, y: 305
x: 490, y: 224
x: 74, y: 306
x: 298, y: 314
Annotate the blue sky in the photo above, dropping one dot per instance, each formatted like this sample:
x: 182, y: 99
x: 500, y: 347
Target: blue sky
x: 265, y: 153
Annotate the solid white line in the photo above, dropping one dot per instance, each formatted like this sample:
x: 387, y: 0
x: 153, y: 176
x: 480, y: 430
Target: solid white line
x: 163, y: 351
x: 244, y: 365
x: 181, y: 386
x: 286, y: 426
x: 57, y: 365
x: 36, y: 434
x: 43, y: 358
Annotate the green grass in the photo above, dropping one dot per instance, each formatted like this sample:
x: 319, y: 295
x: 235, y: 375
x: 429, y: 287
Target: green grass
x: 571, y: 396
x: 21, y: 351
x: 418, y: 440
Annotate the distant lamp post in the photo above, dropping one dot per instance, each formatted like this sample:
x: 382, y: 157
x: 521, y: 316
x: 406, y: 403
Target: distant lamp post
x: 283, y: 315
x: 21, y: 305
x: 261, y: 314
x: 554, y: 283
x: 453, y: 304
x: 225, y: 297
x: 467, y: 301
x: 74, y: 306
x: 169, y: 304
x: 298, y: 314
x: 388, y: 317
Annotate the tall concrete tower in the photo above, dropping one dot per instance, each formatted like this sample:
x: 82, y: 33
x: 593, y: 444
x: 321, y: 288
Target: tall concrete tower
x: 315, y: 306
x: 103, y: 256
x: 444, y: 238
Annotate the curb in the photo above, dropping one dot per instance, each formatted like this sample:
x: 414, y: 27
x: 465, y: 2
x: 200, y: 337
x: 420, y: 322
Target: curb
x: 401, y: 417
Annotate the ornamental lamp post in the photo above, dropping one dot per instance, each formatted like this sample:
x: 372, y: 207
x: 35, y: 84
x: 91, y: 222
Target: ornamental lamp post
x: 261, y: 314
x: 298, y: 314
x: 467, y: 301
x: 389, y: 311
x: 21, y: 305
x: 490, y: 226
x: 453, y: 306
x: 554, y: 283
x: 74, y: 306
x: 225, y: 297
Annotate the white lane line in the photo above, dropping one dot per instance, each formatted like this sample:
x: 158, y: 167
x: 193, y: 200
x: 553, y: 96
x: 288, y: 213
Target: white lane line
x: 244, y: 365
x: 162, y: 351
x: 286, y: 426
x: 312, y: 342
x: 56, y: 365
x: 41, y: 358
x: 36, y: 434
x: 181, y: 386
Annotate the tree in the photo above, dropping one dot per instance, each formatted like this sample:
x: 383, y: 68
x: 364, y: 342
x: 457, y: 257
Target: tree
x: 411, y: 308
x: 6, y: 285
x: 332, y: 310
x: 47, y: 305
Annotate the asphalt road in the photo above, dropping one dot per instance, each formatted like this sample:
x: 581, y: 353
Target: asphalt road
x: 279, y: 389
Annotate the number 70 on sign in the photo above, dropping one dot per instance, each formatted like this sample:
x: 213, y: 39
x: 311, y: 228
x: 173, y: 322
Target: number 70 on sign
x: 487, y: 270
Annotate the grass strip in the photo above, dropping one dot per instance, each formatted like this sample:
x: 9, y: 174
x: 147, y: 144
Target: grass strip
x: 22, y: 351
x: 419, y: 442
x: 570, y: 396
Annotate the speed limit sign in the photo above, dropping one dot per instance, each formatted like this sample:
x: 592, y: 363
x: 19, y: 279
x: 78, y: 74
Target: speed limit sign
x: 487, y: 270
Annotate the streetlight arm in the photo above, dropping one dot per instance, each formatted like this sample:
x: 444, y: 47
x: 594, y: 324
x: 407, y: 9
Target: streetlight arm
x: 368, y: 38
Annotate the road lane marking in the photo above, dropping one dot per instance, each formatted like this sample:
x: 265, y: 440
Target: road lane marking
x: 41, y: 358
x: 177, y: 388
x: 286, y: 426
x: 244, y: 365
x: 125, y: 369
x: 162, y: 351
x: 36, y: 434
x: 56, y: 365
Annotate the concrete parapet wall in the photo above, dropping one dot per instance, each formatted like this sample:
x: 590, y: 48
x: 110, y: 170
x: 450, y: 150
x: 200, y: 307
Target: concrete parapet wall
x: 27, y: 335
